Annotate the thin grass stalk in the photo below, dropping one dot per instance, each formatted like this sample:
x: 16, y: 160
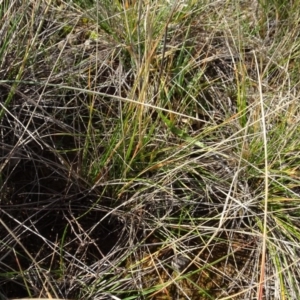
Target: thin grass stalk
x: 266, y: 190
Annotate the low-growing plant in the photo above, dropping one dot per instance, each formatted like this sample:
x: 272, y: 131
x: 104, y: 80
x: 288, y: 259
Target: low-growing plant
x: 149, y: 149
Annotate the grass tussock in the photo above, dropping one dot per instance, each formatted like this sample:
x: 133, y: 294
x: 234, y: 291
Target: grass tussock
x: 149, y: 149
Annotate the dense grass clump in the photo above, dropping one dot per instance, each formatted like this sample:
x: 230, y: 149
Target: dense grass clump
x: 149, y: 149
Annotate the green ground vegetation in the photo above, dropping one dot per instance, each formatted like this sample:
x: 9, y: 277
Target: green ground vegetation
x: 149, y: 149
